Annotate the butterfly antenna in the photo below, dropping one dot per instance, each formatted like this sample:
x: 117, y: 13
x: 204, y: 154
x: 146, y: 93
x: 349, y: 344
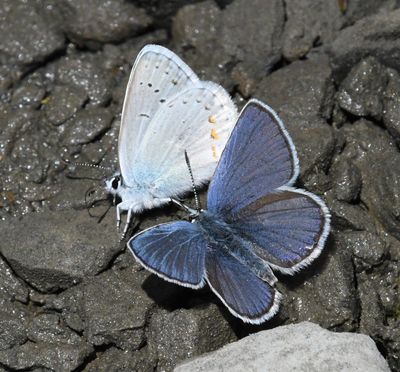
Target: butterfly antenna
x: 88, y: 165
x: 196, y: 197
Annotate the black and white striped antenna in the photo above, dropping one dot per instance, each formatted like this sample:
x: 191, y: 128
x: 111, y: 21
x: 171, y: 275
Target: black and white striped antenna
x: 196, y: 197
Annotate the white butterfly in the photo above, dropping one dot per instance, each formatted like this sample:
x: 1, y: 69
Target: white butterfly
x: 167, y: 110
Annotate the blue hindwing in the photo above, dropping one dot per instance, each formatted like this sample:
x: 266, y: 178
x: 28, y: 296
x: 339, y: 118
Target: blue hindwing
x: 242, y: 292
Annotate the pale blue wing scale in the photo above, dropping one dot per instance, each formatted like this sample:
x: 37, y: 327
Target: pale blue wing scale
x: 157, y: 75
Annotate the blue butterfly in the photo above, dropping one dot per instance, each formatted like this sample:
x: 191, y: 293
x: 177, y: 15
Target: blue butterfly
x: 256, y: 222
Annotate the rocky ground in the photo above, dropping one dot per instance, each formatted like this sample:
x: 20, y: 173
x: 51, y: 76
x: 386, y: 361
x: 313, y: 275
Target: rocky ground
x: 71, y: 297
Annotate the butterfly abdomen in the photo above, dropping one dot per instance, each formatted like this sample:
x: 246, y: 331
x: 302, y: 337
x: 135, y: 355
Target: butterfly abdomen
x: 220, y: 236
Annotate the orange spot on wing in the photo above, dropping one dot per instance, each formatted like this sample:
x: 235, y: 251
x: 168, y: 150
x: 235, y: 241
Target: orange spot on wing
x: 214, y: 134
x: 214, y: 151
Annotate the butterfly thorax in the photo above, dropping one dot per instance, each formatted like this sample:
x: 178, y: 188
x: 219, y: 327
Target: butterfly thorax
x: 214, y: 229
x: 133, y: 196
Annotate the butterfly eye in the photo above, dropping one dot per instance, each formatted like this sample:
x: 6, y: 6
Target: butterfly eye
x: 115, y: 182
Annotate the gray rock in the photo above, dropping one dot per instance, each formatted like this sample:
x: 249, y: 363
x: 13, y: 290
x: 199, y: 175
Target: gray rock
x: 13, y: 323
x: 114, y: 360
x: 313, y: 25
x: 32, y: 43
x: 385, y: 278
x: 372, y: 314
x: 392, y: 337
x: 302, y: 95
x: 196, y: 26
x: 302, y: 92
x: 266, y: 21
x: 6, y: 78
x: 315, y: 148
x: 102, y: 21
x: 85, y: 72
x: 326, y: 294
x: 163, y: 12
x: 48, y: 328
x: 31, y: 152
x: 29, y: 95
x: 309, y: 22
x: 184, y: 333
x: 361, y: 93
x: 203, y: 28
x: 349, y: 216
x: 72, y: 194
x: 57, y: 357
x: 394, y: 248
x: 12, y: 125
x: 374, y: 153
x: 368, y: 250
x: 391, y: 103
x: 111, y: 308
x: 301, y: 347
x: 87, y: 125
x: 94, y: 152
x: 346, y: 180
x: 63, y: 102
x: 11, y: 287
x: 371, y: 36
x: 358, y: 9
x: 56, y: 250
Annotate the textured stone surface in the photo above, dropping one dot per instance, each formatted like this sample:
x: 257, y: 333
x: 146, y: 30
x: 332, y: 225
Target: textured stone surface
x: 374, y: 152
x: 63, y: 102
x: 361, y: 93
x: 87, y: 125
x: 309, y: 23
x: 391, y: 103
x: 59, y: 357
x: 86, y: 73
x: 375, y: 35
x: 13, y: 323
x: 347, y: 184
x: 11, y: 288
x: 113, y: 360
x: 289, y: 348
x: 30, y: 95
x: 215, y: 44
x: 347, y: 216
x: 368, y: 250
x: 326, y: 293
x: 111, y: 21
x: 181, y: 334
x: 33, y: 42
x: 62, y: 249
x: 300, y: 92
x: 112, y: 308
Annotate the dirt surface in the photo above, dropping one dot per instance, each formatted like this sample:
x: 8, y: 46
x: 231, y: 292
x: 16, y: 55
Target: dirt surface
x: 71, y: 297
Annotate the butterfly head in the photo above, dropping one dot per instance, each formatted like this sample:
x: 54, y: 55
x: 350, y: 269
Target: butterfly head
x: 114, y: 184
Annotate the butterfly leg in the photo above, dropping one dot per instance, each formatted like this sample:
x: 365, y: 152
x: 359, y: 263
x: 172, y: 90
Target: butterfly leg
x: 128, y: 222
x: 118, y: 208
x: 191, y: 211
